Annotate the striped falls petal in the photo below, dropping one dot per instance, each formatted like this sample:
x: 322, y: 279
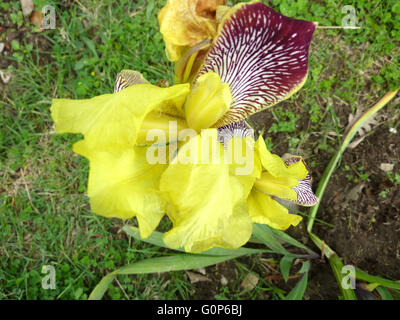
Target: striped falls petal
x: 128, y: 78
x: 289, y: 180
x: 262, y: 55
x: 305, y: 195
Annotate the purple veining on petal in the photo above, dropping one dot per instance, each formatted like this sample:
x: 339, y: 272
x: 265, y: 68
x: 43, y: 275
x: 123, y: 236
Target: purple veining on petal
x: 120, y: 83
x: 237, y: 129
x: 262, y: 55
x: 127, y: 78
x: 305, y: 195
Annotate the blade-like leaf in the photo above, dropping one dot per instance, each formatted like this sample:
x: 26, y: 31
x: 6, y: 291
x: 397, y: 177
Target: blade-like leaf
x: 298, y: 291
x: 161, y: 264
x: 156, y: 239
x: 285, y: 237
x: 337, y: 267
x: 384, y: 293
x: 264, y: 233
x: 334, y: 161
x: 362, y: 275
x: 285, y: 264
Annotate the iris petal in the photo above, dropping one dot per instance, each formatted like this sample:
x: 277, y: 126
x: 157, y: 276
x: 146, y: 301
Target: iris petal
x: 123, y: 184
x: 127, y: 78
x: 262, y: 55
x: 305, y: 195
x: 289, y: 180
x: 263, y: 209
x: 112, y: 121
x: 276, y: 166
x: 208, y: 201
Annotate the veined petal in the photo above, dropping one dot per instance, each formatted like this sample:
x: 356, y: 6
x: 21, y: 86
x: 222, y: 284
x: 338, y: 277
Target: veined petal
x: 112, y: 121
x: 237, y: 129
x: 262, y: 55
x: 123, y: 184
x: 289, y: 180
x: 127, y: 78
x: 263, y: 209
x: 305, y: 195
x: 208, y: 201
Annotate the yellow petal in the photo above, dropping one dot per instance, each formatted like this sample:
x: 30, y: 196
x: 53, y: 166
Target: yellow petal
x: 187, y: 22
x: 263, y: 209
x: 122, y: 184
x: 112, y: 121
x: 167, y: 125
x: 280, y: 187
x: 276, y: 166
x: 208, y: 202
x: 208, y: 100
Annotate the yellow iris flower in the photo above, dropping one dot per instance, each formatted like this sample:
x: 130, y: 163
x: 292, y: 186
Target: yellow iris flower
x: 211, y: 203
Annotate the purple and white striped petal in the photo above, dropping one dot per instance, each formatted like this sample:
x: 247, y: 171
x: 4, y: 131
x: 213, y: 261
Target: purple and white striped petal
x: 127, y: 78
x: 262, y: 55
x: 237, y: 129
x: 305, y: 195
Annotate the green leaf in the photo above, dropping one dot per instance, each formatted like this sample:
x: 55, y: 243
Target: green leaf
x: 346, y: 141
x: 305, y: 267
x: 156, y: 239
x: 384, y: 293
x: 285, y: 264
x: 285, y: 237
x: 101, y: 288
x: 160, y: 264
x: 337, y: 267
x: 362, y: 275
x: 265, y: 234
x: 298, y: 291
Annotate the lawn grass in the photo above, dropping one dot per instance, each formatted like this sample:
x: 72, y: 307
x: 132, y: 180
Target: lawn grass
x: 45, y: 218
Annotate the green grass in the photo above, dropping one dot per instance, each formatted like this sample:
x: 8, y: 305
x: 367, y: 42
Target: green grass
x: 44, y: 213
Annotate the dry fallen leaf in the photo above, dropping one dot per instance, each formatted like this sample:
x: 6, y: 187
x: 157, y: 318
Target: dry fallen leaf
x: 27, y: 7
x: 195, y: 277
x: 249, y: 282
x: 1, y: 47
x: 365, y: 128
x: 201, y: 270
x: 37, y: 20
x: 386, y: 167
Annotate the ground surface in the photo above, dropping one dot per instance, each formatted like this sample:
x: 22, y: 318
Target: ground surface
x: 45, y: 216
